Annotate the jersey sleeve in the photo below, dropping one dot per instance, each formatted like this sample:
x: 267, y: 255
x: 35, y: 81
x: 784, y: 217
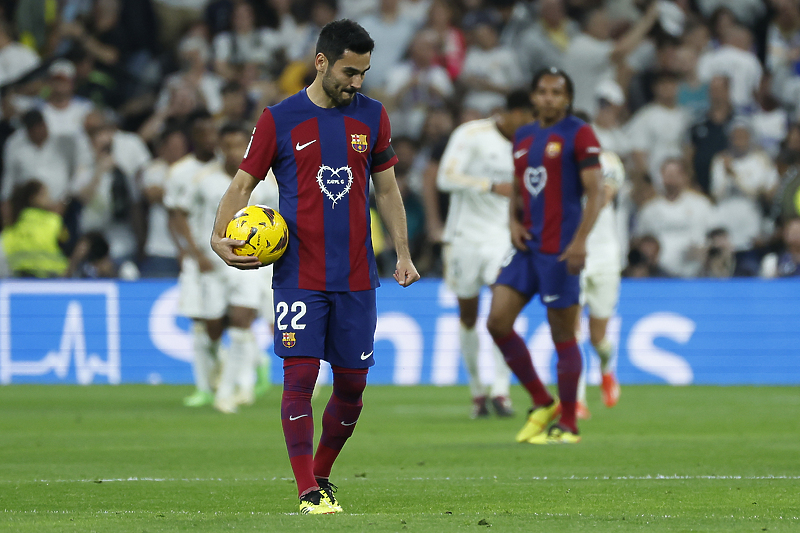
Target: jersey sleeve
x: 453, y: 175
x: 263, y: 147
x: 587, y: 148
x: 383, y: 156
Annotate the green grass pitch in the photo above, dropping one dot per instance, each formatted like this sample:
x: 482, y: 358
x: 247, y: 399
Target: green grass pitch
x: 132, y: 458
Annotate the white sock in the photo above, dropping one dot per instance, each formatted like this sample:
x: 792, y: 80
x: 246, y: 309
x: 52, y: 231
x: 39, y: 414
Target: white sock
x: 470, y: 346
x: 502, y: 374
x: 204, y: 363
x: 247, y: 374
x: 582, y: 384
x: 239, y: 356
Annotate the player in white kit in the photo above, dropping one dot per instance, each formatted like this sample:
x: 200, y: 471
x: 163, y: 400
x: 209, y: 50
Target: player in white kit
x: 477, y: 169
x: 230, y: 298
x: 203, y: 136
x: 600, y: 282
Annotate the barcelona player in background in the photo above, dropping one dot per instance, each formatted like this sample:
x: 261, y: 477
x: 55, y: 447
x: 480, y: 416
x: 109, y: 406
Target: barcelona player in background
x: 554, y: 206
x: 323, y: 144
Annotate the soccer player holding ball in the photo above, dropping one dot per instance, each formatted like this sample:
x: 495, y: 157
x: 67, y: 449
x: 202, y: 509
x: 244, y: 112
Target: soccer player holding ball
x: 556, y: 161
x: 323, y: 144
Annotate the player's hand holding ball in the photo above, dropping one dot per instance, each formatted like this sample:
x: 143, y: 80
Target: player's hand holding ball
x: 256, y: 236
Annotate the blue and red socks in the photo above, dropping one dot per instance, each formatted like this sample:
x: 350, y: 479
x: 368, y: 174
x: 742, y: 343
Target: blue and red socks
x: 569, y: 372
x: 518, y: 359
x: 340, y: 417
x: 299, y: 377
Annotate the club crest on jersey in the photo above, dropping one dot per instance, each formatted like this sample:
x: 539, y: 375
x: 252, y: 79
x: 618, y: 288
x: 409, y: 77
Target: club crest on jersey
x: 553, y: 149
x: 535, y: 179
x: 359, y: 142
x: 334, y: 183
x: 289, y: 339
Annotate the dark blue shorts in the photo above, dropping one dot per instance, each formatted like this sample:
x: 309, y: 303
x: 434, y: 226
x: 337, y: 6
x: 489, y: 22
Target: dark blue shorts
x: 338, y: 327
x: 533, y: 273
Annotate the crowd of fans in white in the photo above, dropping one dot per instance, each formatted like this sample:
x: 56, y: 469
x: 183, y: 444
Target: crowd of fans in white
x: 699, y: 98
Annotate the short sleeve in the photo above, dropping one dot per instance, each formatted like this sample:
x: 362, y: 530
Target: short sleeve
x: 587, y: 147
x: 263, y: 147
x: 383, y: 156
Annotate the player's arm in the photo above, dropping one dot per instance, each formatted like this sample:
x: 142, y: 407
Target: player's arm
x: 393, y: 215
x: 179, y: 226
x: 235, y: 198
x: 518, y: 232
x: 575, y: 253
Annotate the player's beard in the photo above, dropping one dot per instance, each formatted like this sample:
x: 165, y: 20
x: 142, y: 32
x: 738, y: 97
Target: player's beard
x: 335, y: 91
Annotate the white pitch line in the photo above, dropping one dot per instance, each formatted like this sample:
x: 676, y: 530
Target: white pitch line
x: 657, y: 477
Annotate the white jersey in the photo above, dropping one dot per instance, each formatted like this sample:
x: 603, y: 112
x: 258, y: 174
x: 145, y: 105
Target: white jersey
x: 602, y: 244
x: 476, y: 157
x: 207, y: 189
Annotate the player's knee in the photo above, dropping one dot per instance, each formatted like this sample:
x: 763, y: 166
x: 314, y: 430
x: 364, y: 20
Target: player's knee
x: 498, y: 326
x: 349, y: 385
x: 469, y: 321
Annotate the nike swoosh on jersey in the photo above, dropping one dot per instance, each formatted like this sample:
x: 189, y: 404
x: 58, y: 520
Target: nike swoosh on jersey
x: 293, y: 418
x: 299, y: 146
x: 550, y: 298
x: 520, y: 153
x: 366, y: 356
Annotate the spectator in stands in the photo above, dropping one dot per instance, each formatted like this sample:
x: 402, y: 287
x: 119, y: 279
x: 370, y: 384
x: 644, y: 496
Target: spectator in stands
x: 490, y: 70
x: 646, y: 67
x: 109, y: 197
x: 657, y: 131
x: 679, y: 219
x: 236, y: 106
x: 16, y: 59
x: 545, y: 43
x: 770, y: 121
x: 102, y: 35
x: 175, y: 17
x: 592, y: 54
x: 608, y: 121
x: 786, y: 203
x: 452, y: 44
x: 786, y: 262
x: 29, y: 246
x: 789, y: 152
x: 63, y: 111
x: 783, y: 49
x: 643, y: 259
x: 416, y: 85
x: 246, y: 43
x: 710, y: 136
x: 204, y: 85
x: 55, y: 160
x: 91, y: 258
x: 734, y: 60
x: 392, y: 32
x: 692, y: 92
x: 160, y: 253
x: 300, y: 72
x: 743, y: 181
x: 722, y: 261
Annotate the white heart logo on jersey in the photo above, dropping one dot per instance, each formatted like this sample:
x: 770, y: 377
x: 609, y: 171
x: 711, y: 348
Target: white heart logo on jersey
x: 535, y: 179
x: 340, y: 179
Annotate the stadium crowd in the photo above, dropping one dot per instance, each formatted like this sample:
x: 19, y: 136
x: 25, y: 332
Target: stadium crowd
x: 699, y: 98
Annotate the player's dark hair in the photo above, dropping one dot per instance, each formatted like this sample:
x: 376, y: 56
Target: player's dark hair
x: 233, y: 127
x: 341, y: 35
x: 553, y: 71
x: 22, y: 196
x: 518, y: 99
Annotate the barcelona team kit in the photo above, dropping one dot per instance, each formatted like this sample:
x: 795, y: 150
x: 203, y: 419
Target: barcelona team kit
x: 322, y: 160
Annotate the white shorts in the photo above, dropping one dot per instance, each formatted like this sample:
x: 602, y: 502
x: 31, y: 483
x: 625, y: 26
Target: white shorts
x: 230, y: 287
x: 189, y: 302
x: 600, y: 293
x: 467, y: 267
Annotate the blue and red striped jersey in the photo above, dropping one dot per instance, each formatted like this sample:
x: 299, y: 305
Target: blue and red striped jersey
x: 547, y: 165
x: 322, y: 160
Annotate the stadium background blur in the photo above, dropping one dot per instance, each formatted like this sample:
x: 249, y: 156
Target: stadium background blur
x: 714, y: 85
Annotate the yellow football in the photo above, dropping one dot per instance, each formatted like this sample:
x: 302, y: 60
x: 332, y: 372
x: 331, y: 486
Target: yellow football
x: 263, y: 230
